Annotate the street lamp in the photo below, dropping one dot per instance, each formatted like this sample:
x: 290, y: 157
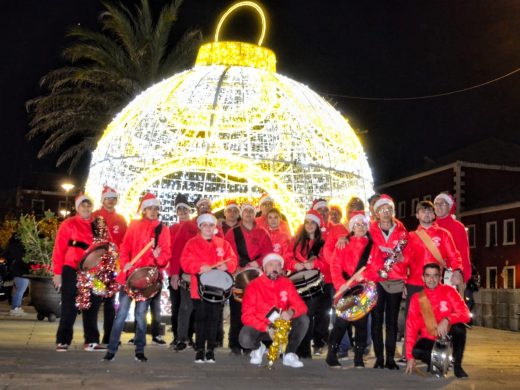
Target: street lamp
x: 67, y: 187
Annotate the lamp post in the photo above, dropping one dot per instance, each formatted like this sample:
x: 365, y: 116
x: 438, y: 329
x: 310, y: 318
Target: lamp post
x: 67, y: 187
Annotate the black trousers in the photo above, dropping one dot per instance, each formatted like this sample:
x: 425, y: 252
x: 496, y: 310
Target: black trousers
x: 235, y: 322
x: 314, y: 304
x: 175, y: 299
x: 69, y: 311
x: 422, y: 349
x: 322, y: 317
x: 109, y: 313
x: 387, y: 311
x: 207, y: 316
x: 360, y: 338
x: 411, y: 290
x: 250, y: 338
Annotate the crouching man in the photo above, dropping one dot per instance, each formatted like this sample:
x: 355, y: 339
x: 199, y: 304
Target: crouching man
x: 272, y: 292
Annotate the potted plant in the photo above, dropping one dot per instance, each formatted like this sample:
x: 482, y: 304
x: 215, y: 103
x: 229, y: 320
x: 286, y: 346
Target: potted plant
x: 38, y: 240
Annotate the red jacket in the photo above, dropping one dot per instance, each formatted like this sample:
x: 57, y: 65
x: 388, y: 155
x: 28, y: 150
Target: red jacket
x: 187, y: 231
x: 258, y: 243
x: 460, y: 238
x: 398, y: 232
x: 280, y: 240
x: 116, y: 224
x: 174, y: 269
x: 138, y: 235
x: 292, y: 258
x: 72, y: 229
x: 261, y: 221
x: 199, y: 252
x: 446, y: 303
x: 262, y: 294
x: 334, y: 234
x: 417, y: 255
x: 347, y: 259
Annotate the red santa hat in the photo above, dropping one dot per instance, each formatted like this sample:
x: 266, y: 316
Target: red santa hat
x: 149, y: 200
x: 384, y: 199
x: 108, y: 192
x: 265, y: 198
x: 336, y: 207
x: 448, y: 199
x: 203, y: 200
x: 319, y: 203
x: 357, y: 217
x: 231, y: 204
x: 206, y: 218
x: 272, y: 257
x: 314, y: 216
x: 246, y: 205
x: 82, y: 198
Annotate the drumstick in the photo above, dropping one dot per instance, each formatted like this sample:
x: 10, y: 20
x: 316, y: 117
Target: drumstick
x: 350, y: 280
x: 219, y: 263
x: 142, y: 252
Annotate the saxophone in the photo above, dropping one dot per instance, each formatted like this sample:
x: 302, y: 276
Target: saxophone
x: 280, y: 340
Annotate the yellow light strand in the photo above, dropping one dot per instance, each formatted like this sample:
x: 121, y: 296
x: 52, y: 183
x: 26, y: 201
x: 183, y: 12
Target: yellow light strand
x: 236, y: 6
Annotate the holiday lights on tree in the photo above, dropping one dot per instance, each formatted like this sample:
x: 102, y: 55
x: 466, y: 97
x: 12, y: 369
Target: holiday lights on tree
x: 231, y: 127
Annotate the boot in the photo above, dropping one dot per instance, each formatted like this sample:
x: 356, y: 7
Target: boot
x: 332, y: 356
x: 358, y: 356
x: 379, y: 363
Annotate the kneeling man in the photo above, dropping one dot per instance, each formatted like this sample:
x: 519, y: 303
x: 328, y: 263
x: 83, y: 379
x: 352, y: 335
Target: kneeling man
x: 434, y: 313
x: 271, y: 291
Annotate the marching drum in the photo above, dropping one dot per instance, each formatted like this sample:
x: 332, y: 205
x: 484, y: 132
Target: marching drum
x: 93, y: 255
x: 215, y: 285
x: 441, y: 357
x: 357, y: 302
x: 308, y: 282
x: 242, y: 279
x: 144, y: 283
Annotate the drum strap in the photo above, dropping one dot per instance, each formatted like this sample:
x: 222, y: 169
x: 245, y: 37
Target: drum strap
x: 157, y: 233
x: 427, y: 313
x: 78, y: 244
x: 365, y: 254
x: 240, y: 242
x: 427, y: 240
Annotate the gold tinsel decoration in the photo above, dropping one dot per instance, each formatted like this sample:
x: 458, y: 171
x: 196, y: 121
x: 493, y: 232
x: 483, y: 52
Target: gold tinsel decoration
x: 280, y: 340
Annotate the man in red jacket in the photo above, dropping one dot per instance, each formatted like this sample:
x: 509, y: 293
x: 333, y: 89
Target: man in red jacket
x: 116, y: 224
x: 434, y: 313
x: 250, y: 243
x: 267, y: 292
x: 139, y: 234
x: 74, y: 236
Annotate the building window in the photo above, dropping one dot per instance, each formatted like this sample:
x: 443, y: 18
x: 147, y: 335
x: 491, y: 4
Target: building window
x: 491, y: 234
x: 491, y: 277
x: 472, y: 237
x: 401, y: 209
x: 37, y: 206
x: 509, y: 276
x: 414, y: 206
x: 427, y: 197
x: 509, y: 232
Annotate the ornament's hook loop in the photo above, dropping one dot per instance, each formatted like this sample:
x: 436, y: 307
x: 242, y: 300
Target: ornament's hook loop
x: 233, y: 8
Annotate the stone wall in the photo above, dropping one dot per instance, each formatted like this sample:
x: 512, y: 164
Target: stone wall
x: 497, y: 308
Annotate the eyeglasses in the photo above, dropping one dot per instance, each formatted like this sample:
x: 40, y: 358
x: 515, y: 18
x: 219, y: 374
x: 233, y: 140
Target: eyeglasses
x: 385, y: 210
x: 441, y: 204
x: 360, y: 225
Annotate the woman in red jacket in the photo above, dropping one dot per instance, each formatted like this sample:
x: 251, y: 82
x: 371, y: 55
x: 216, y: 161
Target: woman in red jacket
x: 306, y: 253
x: 73, y: 238
x: 359, y: 252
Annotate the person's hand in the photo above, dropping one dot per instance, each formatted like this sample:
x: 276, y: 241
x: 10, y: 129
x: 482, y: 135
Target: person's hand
x: 222, y: 267
x: 299, y: 266
x: 456, y: 278
x: 442, y: 327
x: 156, y: 252
x: 205, y: 268
x: 399, y: 257
x: 287, y: 315
x: 342, y: 243
x: 270, y: 332
x: 253, y: 264
x: 309, y: 264
x: 127, y: 266
x: 344, y: 287
x: 405, y: 293
x: 174, y: 282
x: 56, y: 280
x: 410, y: 366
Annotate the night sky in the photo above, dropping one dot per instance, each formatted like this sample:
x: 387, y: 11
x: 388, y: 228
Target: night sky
x: 376, y: 48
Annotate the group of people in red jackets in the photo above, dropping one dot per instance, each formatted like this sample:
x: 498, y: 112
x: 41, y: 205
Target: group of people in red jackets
x: 343, y: 254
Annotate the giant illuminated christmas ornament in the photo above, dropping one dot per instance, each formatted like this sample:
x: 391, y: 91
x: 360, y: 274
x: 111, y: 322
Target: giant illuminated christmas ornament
x: 231, y: 127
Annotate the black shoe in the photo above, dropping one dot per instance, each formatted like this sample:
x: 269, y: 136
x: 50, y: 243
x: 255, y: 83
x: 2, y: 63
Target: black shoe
x: 139, y: 357
x: 402, y: 361
x: 199, y: 356
x: 332, y: 358
x: 109, y: 356
x: 181, y: 346
x: 158, y: 340
x: 131, y: 341
x: 210, y: 357
x: 459, y: 372
x: 379, y: 363
x: 391, y: 364
x: 359, y: 364
x: 236, y: 351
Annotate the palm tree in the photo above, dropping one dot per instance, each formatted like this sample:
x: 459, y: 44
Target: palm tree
x: 107, y: 70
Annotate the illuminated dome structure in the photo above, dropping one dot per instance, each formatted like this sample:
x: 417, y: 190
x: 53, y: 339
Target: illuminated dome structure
x: 231, y: 127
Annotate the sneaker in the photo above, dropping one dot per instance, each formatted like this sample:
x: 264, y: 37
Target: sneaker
x: 257, y: 355
x: 459, y: 372
x: 109, y: 356
x: 199, y: 356
x: 318, y: 351
x: 181, y: 346
x: 343, y: 355
x: 62, y: 347
x: 131, y: 341
x: 17, y: 312
x: 291, y: 360
x: 139, y: 357
x: 94, y: 347
x: 158, y: 340
x: 210, y: 357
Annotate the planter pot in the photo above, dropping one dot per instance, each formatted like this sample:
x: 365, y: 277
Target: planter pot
x: 44, y: 297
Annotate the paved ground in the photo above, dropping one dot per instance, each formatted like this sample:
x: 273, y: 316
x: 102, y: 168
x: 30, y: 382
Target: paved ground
x: 28, y: 361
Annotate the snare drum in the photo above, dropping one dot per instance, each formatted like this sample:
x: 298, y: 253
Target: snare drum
x: 242, y: 279
x: 144, y: 283
x: 308, y: 282
x: 93, y: 255
x: 441, y: 357
x: 215, y: 286
x: 357, y: 302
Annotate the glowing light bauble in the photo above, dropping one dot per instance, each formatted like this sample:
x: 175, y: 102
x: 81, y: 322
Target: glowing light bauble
x: 230, y: 127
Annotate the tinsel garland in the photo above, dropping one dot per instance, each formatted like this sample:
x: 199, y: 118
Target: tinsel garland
x: 280, y: 339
